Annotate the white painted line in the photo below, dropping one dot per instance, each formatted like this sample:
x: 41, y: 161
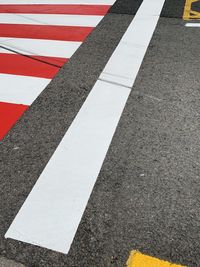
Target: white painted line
x: 37, y: 47
x: 195, y: 25
x: 20, y: 89
x: 123, y: 66
x: 49, y: 2
x: 50, y: 19
x: 51, y: 214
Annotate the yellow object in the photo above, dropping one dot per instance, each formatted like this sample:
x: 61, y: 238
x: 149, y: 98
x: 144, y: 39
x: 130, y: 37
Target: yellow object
x: 190, y: 14
x: 138, y: 259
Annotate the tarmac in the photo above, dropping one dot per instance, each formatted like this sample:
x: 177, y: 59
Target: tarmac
x: 146, y: 196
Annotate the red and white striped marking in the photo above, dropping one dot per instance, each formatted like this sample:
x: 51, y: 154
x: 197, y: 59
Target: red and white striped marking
x: 78, y: 9
x: 58, y: 2
x: 50, y: 19
x: 26, y: 88
x: 62, y: 49
x: 36, y: 38
x: 51, y: 214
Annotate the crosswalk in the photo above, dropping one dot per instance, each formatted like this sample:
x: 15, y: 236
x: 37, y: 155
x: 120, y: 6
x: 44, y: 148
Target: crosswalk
x: 36, y: 39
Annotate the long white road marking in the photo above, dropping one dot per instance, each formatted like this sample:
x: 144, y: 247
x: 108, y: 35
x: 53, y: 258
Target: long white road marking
x: 67, y: 2
x: 190, y: 24
x: 21, y: 89
x: 49, y: 48
x: 50, y: 19
x: 52, y: 212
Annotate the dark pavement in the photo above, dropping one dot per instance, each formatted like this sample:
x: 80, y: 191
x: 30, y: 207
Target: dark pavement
x: 147, y: 196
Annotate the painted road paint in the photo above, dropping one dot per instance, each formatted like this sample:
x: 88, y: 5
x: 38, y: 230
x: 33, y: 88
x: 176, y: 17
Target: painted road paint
x: 21, y: 65
x: 37, y: 44
x: 46, y: 19
x: 21, y: 89
x: 67, y: 179
x: 51, y: 214
x: 135, y: 47
x: 62, y: 49
x: 189, y: 13
x: 138, y: 259
x: 10, y: 113
x: 195, y: 25
x: 47, y: 32
x: 97, y: 10
x: 7, y: 54
x: 58, y: 2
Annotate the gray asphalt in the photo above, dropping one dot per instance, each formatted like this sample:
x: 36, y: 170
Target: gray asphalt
x: 147, y: 196
x: 9, y: 263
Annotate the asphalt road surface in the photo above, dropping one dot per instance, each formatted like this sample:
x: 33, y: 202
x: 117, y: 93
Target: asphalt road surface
x: 147, y: 194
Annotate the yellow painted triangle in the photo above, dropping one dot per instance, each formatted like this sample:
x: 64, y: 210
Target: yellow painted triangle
x: 138, y: 259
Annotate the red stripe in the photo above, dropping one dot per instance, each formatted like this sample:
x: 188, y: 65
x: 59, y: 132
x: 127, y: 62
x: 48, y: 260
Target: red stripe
x: 56, y: 9
x: 58, y: 61
x: 63, y: 33
x: 21, y: 65
x: 9, y: 114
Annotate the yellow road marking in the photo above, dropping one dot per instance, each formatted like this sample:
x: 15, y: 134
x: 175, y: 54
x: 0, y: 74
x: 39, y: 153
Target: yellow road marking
x: 138, y: 259
x: 190, y: 14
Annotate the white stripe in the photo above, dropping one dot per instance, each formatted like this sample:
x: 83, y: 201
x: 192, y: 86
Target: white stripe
x: 53, y: 210
x: 49, y: 2
x: 51, y: 214
x: 196, y: 25
x: 49, y: 19
x: 133, y: 45
x: 49, y: 48
x: 20, y: 89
